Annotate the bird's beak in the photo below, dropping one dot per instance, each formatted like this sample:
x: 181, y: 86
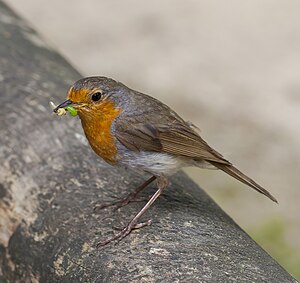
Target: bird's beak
x: 64, y: 104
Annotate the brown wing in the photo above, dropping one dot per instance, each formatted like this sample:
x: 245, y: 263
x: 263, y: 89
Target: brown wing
x: 178, y: 139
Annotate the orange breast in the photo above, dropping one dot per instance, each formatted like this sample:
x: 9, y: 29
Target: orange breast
x: 97, y: 127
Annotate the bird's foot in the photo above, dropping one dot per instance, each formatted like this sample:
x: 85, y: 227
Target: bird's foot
x: 124, y: 232
x: 121, y: 202
x: 132, y: 197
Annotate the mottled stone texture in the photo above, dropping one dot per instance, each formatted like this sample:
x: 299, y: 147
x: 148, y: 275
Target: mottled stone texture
x: 50, y: 182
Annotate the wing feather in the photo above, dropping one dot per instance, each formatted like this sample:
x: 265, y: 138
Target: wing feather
x: 178, y: 139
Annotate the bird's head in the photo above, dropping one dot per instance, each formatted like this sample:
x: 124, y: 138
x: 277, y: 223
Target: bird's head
x: 95, y: 96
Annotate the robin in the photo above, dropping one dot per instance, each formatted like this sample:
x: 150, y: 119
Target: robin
x: 131, y: 129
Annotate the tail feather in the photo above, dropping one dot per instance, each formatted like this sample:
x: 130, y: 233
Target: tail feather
x: 237, y: 174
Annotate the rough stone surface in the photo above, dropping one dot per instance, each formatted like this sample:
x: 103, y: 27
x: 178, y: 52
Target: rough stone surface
x: 50, y: 182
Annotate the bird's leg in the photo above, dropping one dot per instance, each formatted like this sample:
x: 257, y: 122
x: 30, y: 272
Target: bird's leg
x: 130, y: 198
x: 162, y: 183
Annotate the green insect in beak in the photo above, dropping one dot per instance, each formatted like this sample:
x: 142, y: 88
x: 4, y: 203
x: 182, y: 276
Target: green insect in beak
x: 71, y: 110
x: 63, y: 108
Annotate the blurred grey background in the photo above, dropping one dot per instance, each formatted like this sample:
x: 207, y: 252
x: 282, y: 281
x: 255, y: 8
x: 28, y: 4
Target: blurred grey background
x: 231, y: 67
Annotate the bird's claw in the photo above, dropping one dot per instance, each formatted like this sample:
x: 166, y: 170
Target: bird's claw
x: 124, y: 232
x: 120, y: 203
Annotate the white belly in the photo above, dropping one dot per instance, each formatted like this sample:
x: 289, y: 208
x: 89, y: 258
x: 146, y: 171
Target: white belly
x: 155, y: 162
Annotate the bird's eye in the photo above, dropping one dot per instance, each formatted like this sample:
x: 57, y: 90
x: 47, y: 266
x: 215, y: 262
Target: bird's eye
x: 97, y: 96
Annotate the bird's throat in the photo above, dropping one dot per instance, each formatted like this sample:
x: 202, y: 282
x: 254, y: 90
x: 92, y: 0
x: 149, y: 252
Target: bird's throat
x: 97, y: 128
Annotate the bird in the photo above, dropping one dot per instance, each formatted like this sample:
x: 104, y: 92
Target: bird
x: 134, y: 130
